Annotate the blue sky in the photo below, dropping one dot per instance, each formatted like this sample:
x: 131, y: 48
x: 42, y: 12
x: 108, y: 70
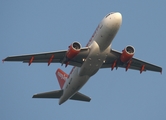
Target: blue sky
x: 41, y: 26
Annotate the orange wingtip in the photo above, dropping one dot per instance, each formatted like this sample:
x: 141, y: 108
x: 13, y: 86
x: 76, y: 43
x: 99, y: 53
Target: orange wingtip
x: 3, y: 60
x: 161, y: 71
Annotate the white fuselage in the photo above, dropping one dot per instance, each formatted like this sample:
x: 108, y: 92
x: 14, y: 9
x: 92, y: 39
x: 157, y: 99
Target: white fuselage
x: 99, y: 46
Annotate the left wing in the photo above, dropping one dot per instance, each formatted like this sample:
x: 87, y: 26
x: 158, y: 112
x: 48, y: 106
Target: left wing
x: 50, y: 57
x: 136, y: 64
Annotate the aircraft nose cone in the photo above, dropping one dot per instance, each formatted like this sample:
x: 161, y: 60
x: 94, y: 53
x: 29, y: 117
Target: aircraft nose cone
x: 114, y: 21
x: 118, y: 17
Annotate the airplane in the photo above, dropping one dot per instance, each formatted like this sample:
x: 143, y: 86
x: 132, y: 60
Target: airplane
x: 87, y: 60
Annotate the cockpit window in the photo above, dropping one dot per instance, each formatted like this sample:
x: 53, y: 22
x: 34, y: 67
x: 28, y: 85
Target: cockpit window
x: 107, y: 15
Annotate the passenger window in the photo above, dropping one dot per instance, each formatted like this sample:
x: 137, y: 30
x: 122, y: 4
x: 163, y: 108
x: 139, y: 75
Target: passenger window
x: 70, y: 80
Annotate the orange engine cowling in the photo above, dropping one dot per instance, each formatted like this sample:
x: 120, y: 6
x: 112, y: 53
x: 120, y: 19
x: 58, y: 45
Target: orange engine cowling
x: 127, y: 54
x: 73, y: 50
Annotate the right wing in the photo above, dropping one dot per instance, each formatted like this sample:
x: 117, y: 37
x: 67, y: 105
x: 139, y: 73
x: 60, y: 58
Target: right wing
x: 136, y: 64
x: 50, y: 57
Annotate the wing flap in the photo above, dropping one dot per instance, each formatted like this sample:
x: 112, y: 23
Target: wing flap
x: 138, y: 63
x: 39, y: 56
x: 43, y: 61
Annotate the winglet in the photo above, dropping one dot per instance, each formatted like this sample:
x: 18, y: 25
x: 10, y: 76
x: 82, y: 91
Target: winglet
x: 161, y: 71
x: 3, y: 60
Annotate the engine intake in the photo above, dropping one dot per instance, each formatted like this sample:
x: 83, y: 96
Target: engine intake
x: 127, y: 54
x: 73, y: 50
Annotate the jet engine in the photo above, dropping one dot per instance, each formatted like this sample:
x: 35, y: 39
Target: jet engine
x: 73, y: 50
x: 127, y: 54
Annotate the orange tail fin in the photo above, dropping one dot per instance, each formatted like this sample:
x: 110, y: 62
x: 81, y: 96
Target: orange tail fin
x: 61, y: 76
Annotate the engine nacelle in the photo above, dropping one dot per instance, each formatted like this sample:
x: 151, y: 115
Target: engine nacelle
x: 73, y: 50
x: 127, y: 54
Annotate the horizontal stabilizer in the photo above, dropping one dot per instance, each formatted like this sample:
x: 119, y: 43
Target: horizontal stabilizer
x: 80, y: 97
x: 52, y: 94
x: 58, y: 94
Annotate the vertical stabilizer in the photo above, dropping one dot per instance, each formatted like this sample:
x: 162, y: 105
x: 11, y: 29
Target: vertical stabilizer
x: 61, y: 76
